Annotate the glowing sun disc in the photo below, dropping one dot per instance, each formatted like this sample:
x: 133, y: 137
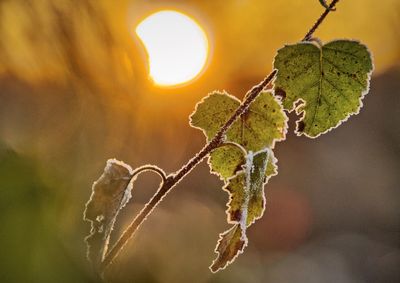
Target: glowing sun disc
x: 176, y: 45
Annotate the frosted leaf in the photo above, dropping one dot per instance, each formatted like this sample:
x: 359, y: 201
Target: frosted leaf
x: 261, y: 126
x: 110, y: 193
x: 231, y: 243
x: 325, y: 83
x: 226, y: 160
x: 246, y: 205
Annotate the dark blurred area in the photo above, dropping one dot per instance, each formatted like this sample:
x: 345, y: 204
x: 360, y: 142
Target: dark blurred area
x: 74, y: 92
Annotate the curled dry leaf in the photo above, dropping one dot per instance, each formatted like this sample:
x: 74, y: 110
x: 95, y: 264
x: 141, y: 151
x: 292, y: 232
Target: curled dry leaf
x: 109, y: 194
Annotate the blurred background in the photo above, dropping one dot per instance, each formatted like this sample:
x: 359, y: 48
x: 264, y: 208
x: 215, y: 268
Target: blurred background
x: 74, y: 91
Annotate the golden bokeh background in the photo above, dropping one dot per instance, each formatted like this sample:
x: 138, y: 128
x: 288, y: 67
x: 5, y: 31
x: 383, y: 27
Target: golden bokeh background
x: 74, y: 92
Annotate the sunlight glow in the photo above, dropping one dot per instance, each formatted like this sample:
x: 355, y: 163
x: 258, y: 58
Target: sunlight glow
x: 176, y: 45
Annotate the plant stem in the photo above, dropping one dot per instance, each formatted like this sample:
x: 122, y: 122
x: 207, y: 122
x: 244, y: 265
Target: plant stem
x: 320, y: 20
x: 173, y: 179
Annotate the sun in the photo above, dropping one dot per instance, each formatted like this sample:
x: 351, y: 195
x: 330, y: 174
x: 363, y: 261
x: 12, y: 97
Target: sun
x: 176, y: 45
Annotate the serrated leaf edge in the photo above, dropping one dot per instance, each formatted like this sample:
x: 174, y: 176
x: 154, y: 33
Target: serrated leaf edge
x: 221, y: 238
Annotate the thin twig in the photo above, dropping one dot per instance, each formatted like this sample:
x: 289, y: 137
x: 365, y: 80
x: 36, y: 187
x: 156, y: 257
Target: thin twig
x: 173, y: 179
x: 320, y: 20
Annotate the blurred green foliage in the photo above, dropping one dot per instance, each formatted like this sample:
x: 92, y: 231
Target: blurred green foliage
x: 32, y: 248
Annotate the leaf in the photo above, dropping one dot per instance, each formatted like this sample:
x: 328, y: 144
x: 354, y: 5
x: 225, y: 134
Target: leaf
x: 230, y: 244
x: 246, y: 205
x: 226, y: 160
x: 272, y: 167
x: 109, y: 194
x: 260, y: 127
x: 246, y: 189
x: 327, y: 82
x: 229, y: 159
x: 212, y: 112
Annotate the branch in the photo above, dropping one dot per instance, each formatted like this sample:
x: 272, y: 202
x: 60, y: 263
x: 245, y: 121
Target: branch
x: 173, y: 179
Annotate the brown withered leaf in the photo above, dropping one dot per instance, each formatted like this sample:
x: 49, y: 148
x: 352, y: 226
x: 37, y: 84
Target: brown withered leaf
x: 109, y: 194
x: 231, y: 243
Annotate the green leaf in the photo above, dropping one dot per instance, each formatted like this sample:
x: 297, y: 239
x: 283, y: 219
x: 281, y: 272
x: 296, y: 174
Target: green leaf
x: 238, y: 194
x: 226, y: 160
x: 229, y: 159
x: 246, y: 189
x: 327, y: 83
x: 213, y: 111
x: 260, y: 127
x: 246, y: 205
x: 109, y: 194
x: 272, y: 167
